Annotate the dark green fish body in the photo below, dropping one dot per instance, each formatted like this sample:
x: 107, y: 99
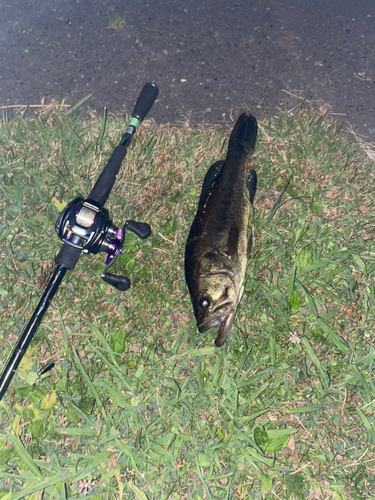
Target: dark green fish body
x: 218, y: 245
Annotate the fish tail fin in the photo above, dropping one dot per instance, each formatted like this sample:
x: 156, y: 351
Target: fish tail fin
x: 243, y: 136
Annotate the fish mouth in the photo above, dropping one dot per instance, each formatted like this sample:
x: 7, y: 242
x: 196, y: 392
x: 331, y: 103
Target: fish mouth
x: 221, y: 317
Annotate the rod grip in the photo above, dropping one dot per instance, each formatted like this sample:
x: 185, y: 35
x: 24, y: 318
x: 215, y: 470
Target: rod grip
x: 145, y: 101
x: 104, y: 184
x: 68, y: 256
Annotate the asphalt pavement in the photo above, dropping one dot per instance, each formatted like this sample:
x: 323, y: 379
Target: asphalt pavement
x: 210, y: 58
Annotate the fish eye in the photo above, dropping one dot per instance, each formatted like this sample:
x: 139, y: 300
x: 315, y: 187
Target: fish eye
x: 204, y: 303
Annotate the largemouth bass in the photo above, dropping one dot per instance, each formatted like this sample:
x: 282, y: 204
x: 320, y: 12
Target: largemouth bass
x: 218, y: 245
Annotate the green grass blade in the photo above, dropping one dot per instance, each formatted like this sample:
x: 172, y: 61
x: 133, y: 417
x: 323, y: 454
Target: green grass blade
x: 90, y: 384
x: 24, y: 454
x: 75, y: 106
x: 315, y: 361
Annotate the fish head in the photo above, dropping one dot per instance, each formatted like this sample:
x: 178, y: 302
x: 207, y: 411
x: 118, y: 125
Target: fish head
x: 215, y: 304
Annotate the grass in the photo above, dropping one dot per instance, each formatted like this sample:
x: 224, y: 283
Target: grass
x: 141, y: 406
x: 117, y: 22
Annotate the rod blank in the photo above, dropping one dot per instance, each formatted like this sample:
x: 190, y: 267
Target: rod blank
x: 31, y: 328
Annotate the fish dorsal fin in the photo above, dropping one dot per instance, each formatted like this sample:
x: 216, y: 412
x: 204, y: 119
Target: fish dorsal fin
x: 211, y: 176
x: 233, y: 237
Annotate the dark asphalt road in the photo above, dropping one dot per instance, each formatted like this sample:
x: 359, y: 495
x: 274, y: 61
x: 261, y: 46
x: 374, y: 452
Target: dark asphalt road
x: 210, y: 58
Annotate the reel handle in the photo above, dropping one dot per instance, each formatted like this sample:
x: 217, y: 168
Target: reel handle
x: 142, y: 230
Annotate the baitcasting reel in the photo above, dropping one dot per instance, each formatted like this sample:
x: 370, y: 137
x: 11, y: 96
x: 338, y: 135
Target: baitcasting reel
x: 85, y: 225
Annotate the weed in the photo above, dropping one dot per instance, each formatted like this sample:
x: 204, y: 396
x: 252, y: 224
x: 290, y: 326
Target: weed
x: 117, y: 22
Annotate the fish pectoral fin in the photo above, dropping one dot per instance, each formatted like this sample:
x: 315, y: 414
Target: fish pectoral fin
x: 249, y: 245
x: 233, y: 237
x: 211, y: 176
x: 252, y: 184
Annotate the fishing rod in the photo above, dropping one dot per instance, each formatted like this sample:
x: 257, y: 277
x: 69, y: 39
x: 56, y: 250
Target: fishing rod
x: 84, y: 226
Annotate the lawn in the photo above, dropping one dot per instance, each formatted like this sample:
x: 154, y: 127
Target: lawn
x: 139, y: 405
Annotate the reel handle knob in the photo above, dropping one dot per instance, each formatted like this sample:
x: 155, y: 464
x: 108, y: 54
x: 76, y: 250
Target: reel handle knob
x: 141, y: 229
x: 121, y: 283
